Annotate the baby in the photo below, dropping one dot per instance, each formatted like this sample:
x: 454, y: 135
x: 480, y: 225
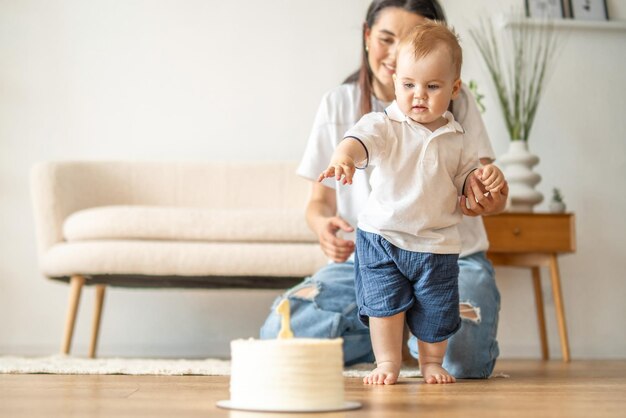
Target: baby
x: 407, y: 242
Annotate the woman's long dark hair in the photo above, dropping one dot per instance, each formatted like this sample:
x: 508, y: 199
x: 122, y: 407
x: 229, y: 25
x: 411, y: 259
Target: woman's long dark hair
x: 430, y: 9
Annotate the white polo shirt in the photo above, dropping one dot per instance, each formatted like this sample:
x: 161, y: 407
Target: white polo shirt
x: 417, y: 178
x: 338, y: 112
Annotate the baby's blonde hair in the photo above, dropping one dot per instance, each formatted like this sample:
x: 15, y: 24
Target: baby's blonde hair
x: 428, y: 36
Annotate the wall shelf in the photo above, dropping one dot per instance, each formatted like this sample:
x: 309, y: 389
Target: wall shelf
x: 607, y: 25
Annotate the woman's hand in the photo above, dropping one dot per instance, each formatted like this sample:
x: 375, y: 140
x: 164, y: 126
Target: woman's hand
x: 323, y: 221
x: 482, y: 202
x: 335, y: 248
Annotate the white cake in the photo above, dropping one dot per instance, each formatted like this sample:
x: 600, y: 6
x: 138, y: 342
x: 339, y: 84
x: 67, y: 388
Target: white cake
x: 295, y: 374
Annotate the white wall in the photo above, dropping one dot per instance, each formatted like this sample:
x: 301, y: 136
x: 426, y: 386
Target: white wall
x: 203, y: 80
x: 580, y: 136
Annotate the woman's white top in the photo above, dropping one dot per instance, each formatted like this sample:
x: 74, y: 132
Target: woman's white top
x: 338, y: 112
x: 417, y: 178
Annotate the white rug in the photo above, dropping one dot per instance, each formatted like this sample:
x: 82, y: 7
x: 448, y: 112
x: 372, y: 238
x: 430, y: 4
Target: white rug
x: 75, y: 365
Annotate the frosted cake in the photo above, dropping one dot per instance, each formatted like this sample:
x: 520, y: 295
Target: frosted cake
x: 292, y: 374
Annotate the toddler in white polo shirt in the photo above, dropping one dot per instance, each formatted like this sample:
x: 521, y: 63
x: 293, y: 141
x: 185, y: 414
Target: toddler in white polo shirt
x: 407, y: 242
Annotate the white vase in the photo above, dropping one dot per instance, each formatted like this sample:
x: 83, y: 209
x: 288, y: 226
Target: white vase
x: 517, y: 166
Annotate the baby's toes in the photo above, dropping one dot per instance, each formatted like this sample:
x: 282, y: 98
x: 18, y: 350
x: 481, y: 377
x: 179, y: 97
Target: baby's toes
x: 391, y: 379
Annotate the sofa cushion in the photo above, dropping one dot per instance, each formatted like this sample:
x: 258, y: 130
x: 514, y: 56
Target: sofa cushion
x: 165, y: 258
x: 187, y: 224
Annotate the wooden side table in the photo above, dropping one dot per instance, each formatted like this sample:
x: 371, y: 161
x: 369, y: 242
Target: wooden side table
x: 534, y: 240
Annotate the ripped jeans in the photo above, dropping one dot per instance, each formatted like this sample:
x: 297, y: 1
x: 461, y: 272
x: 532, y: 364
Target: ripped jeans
x: 324, y: 306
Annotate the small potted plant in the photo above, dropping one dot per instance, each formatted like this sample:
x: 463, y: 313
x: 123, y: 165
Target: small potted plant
x: 556, y: 204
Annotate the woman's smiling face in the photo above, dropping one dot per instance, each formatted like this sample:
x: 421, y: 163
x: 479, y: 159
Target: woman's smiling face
x: 381, y: 41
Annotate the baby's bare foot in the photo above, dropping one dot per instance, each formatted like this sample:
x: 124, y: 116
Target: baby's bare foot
x: 434, y: 373
x: 385, y: 372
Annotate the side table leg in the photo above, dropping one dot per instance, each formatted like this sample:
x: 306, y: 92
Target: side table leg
x: 541, y: 318
x: 558, y: 305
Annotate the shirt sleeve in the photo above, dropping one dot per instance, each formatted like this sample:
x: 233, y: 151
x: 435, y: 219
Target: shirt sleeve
x: 466, y: 112
x: 372, y: 130
x: 321, y: 144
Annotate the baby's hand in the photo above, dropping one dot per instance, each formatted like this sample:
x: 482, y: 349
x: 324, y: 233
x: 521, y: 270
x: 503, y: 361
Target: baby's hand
x: 491, y: 177
x: 340, y: 166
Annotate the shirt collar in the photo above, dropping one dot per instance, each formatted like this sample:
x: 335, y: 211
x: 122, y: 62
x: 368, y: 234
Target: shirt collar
x: 394, y: 113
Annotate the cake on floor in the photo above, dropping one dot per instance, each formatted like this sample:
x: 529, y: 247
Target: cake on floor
x: 292, y: 374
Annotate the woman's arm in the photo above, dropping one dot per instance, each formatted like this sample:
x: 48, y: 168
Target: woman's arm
x: 321, y: 217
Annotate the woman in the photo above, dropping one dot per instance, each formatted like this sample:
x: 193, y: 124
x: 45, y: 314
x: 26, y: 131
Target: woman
x: 324, y: 305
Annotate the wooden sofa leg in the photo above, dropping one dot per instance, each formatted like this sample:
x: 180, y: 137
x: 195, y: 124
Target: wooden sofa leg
x: 76, y: 285
x: 97, y: 315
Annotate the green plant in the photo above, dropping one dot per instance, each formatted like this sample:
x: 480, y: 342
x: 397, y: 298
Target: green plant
x: 518, y: 60
x: 557, y: 196
x: 473, y: 86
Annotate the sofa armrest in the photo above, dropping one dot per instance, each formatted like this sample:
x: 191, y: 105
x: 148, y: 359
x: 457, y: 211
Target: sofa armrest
x: 59, y: 189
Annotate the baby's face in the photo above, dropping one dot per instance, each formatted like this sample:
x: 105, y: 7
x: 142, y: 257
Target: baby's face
x: 425, y: 86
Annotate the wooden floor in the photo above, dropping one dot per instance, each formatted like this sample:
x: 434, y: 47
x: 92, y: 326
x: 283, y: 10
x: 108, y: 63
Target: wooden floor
x: 533, y: 389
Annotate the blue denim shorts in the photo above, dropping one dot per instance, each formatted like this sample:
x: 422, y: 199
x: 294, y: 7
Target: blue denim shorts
x: 390, y: 280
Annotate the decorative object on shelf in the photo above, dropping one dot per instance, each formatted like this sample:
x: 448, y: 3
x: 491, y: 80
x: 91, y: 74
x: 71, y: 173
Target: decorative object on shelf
x: 517, y: 165
x: 557, y: 205
x: 589, y: 9
x: 545, y: 9
x: 518, y: 61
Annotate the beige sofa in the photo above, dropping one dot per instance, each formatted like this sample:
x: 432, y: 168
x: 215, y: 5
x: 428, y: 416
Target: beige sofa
x: 140, y: 224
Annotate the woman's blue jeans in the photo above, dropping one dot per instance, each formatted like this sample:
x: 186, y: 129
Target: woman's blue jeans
x: 324, y: 306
